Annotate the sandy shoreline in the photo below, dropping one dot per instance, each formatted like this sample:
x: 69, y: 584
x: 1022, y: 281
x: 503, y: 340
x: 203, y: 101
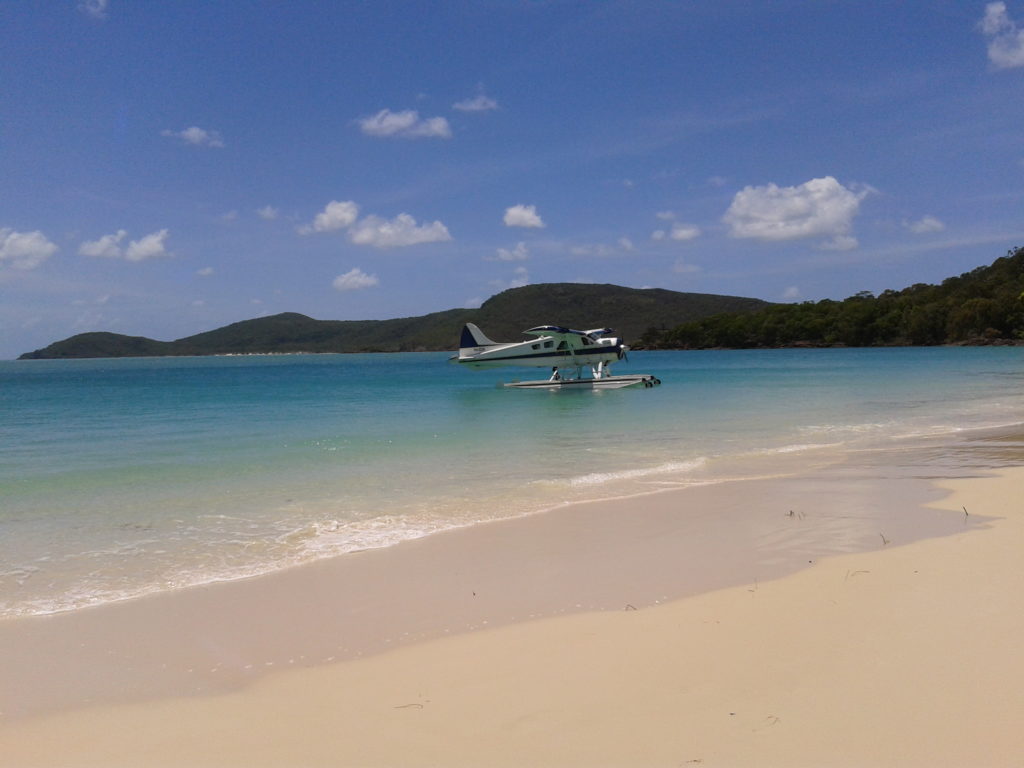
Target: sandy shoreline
x: 862, y: 629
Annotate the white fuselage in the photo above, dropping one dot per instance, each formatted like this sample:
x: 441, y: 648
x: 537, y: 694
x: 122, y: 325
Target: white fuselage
x: 543, y: 352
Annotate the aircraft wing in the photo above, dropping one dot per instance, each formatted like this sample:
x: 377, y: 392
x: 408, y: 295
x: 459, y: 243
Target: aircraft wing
x: 573, y: 338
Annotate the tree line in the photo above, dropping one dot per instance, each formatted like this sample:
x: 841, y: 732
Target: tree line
x: 984, y: 306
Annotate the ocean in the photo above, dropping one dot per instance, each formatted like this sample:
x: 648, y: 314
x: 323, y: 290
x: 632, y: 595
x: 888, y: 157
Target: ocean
x: 120, y: 478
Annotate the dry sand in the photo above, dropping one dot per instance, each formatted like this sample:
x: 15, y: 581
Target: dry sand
x: 740, y: 652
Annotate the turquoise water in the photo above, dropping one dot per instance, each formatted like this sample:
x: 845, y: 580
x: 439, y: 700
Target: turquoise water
x: 123, y: 477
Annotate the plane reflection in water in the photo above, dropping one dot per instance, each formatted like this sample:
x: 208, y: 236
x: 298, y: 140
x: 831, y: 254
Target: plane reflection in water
x: 568, y: 353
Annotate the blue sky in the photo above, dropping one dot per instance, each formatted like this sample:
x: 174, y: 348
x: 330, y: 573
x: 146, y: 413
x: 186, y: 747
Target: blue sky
x: 170, y: 167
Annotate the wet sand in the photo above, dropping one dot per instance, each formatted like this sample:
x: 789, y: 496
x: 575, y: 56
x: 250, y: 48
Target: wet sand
x: 853, y: 616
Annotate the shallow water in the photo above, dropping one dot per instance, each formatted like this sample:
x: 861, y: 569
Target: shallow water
x: 125, y: 477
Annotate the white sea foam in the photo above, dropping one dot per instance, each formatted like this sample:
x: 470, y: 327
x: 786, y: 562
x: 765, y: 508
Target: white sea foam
x: 614, y: 476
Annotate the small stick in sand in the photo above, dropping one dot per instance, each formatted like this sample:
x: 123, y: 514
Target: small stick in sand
x: 884, y: 540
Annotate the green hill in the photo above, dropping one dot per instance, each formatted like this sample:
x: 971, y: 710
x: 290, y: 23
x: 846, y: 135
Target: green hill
x: 631, y: 311
x: 984, y: 306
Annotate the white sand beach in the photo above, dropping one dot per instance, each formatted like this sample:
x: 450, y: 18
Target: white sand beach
x: 827, y: 620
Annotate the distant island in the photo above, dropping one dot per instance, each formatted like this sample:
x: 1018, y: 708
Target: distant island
x: 984, y: 306
x: 631, y: 311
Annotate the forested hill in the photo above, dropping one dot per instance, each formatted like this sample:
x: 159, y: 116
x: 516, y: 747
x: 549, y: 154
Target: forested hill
x: 984, y: 306
x: 503, y: 317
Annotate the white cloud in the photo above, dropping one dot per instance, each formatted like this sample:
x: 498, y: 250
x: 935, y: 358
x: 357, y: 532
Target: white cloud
x: 684, y: 232
x: 406, y: 124
x: 817, y: 208
x: 267, y: 212
x: 1006, y: 46
x: 473, y: 303
x: 335, y: 215
x: 792, y: 293
x: 519, y: 253
x: 354, y: 280
x: 665, y: 215
x: 924, y: 225
x: 108, y: 246
x: 196, y: 136
x: 149, y: 247
x: 205, y: 271
x: 399, y: 231
x: 523, y: 216
x: 95, y: 8
x: 24, y: 250
x: 625, y: 244
x: 478, y: 103
x: 658, y: 234
x: 229, y: 216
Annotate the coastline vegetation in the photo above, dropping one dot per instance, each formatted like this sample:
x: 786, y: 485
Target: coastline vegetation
x: 984, y: 306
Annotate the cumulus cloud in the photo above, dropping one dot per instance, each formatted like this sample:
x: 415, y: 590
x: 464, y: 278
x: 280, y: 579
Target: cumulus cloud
x: 151, y: 246
x: 1006, y: 41
x: 374, y: 230
x: 397, y: 232
x: 523, y: 216
x: 665, y: 215
x: 519, y: 253
x: 792, y: 293
x: 354, y: 280
x: 107, y: 247
x: 478, y: 103
x: 24, y: 250
x: 95, y: 8
x: 684, y: 232
x: 205, y: 271
x: 924, y: 225
x: 625, y: 244
x: 817, y: 208
x: 335, y: 215
x: 267, y: 212
x: 199, y: 137
x: 406, y: 124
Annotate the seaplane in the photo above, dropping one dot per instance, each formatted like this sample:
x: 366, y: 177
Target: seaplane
x: 577, y: 359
